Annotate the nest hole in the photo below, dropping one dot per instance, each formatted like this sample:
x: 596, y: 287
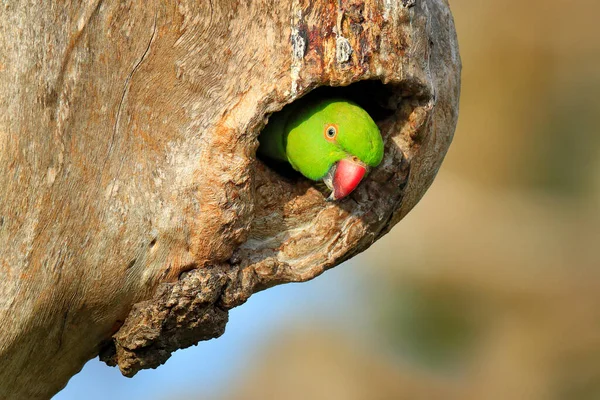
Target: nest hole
x: 380, y: 100
x: 286, y: 202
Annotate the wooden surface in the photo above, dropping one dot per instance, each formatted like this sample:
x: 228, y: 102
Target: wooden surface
x: 127, y: 156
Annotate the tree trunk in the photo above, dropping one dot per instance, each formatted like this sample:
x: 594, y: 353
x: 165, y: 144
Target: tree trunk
x: 134, y: 212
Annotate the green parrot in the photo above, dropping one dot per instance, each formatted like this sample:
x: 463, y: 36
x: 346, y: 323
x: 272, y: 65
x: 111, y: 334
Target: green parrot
x: 330, y: 140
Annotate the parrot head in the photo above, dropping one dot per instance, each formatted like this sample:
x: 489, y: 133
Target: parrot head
x: 334, y: 141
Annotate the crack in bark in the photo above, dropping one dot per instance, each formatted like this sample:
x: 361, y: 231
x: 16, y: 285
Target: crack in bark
x: 126, y: 87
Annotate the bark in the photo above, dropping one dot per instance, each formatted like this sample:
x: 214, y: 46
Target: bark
x: 134, y: 212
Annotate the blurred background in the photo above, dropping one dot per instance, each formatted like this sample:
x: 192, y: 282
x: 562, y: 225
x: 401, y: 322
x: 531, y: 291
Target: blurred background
x: 488, y: 289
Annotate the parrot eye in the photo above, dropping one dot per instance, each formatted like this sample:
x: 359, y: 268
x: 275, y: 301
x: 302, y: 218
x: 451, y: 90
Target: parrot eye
x: 330, y: 132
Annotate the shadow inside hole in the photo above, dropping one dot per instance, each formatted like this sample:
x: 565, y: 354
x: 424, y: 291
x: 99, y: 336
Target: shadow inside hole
x: 378, y: 99
x: 284, y: 169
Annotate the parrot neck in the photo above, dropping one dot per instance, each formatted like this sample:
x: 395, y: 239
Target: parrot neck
x: 274, y: 136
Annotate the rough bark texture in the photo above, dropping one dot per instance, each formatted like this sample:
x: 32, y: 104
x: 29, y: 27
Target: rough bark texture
x: 127, y: 151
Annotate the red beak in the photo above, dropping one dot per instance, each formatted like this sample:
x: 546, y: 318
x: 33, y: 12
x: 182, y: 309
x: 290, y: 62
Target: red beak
x: 348, y: 174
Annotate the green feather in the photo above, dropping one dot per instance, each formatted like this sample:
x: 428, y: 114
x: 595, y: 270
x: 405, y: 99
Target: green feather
x: 297, y: 135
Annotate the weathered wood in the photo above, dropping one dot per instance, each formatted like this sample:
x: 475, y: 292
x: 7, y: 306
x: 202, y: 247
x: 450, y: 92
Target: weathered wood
x: 127, y: 154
